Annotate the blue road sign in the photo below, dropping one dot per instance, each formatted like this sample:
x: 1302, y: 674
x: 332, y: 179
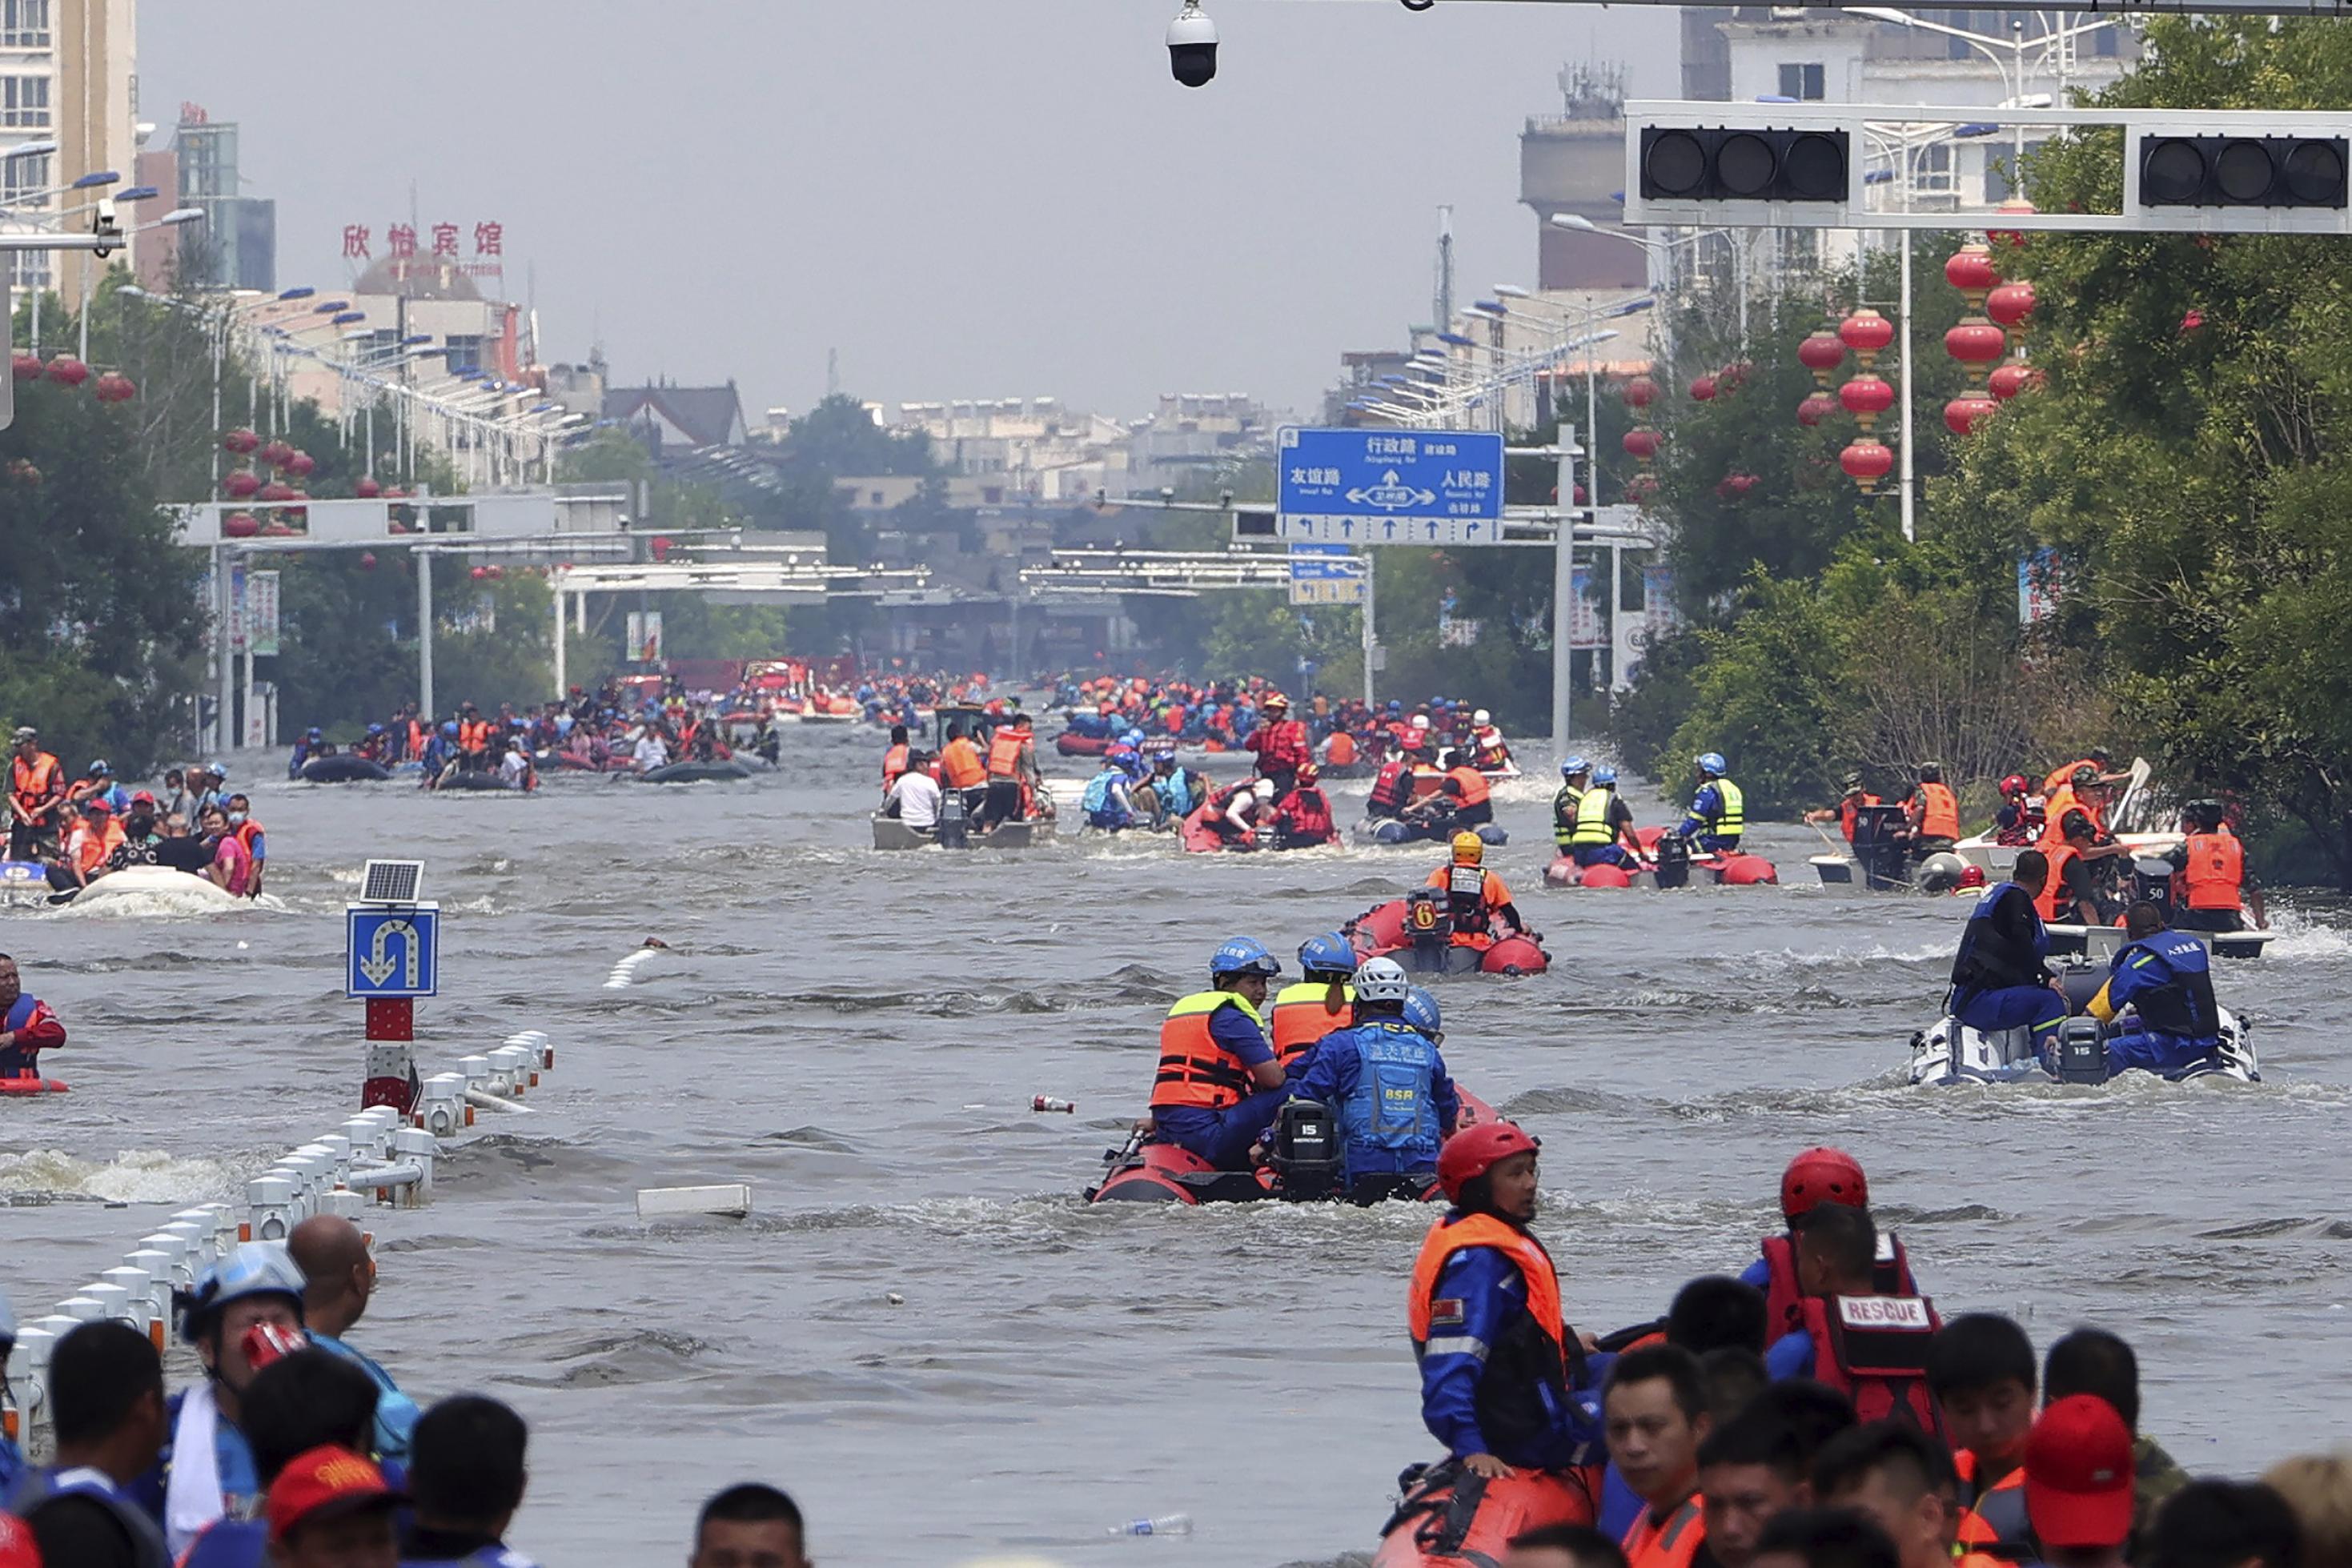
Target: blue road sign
x: 392, y: 951
x: 1357, y: 486
x: 1324, y: 564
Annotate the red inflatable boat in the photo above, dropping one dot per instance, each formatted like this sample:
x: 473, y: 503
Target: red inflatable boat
x: 1450, y: 1517
x: 1418, y: 933
x: 32, y: 1084
x: 1303, y: 1167
x: 1070, y: 744
x: 1671, y: 865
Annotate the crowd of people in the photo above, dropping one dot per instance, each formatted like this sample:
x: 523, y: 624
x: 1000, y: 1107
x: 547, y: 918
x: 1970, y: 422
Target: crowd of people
x: 989, y: 770
x: 79, y: 829
x: 293, y: 1449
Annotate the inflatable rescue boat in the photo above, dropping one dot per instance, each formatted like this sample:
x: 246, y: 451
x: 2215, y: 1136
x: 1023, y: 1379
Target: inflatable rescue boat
x: 1303, y: 1166
x: 134, y: 885
x: 344, y: 768
x: 1671, y: 864
x: 1391, y: 831
x: 1452, y: 1519
x: 1417, y: 931
x: 1950, y: 1051
x: 24, y: 1083
x: 711, y: 770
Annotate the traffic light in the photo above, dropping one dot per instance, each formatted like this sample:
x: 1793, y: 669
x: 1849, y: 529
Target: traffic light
x: 2198, y: 171
x: 1728, y: 163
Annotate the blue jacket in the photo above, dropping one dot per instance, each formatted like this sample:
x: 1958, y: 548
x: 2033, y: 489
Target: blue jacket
x: 2169, y: 977
x: 1105, y: 802
x: 1704, y: 808
x: 1387, y: 1085
x: 395, y: 1413
x: 1493, y: 1310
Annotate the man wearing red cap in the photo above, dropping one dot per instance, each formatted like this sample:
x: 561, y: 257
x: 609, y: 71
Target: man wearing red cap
x: 330, y: 1508
x: 2078, y: 1484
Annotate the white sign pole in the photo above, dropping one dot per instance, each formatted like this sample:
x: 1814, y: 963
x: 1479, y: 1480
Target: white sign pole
x: 1372, y: 642
x: 1563, y: 589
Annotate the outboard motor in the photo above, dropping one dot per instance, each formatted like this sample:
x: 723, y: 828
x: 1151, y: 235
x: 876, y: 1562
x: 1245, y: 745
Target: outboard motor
x: 2082, y: 1055
x: 1673, y: 855
x: 1882, y: 842
x: 1428, y: 926
x: 1307, y: 1153
x: 2152, y: 882
x: 1941, y: 873
x: 954, y: 831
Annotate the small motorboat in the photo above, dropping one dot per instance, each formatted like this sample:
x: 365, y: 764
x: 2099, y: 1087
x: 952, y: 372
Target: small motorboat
x: 1303, y: 1166
x: 707, y: 770
x: 1950, y: 1051
x: 344, y: 768
x: 954, y: 831
x: 2101, y: 942
x: 1451, y: 1519
x: 1417, y: 931
x: 1392, y: 831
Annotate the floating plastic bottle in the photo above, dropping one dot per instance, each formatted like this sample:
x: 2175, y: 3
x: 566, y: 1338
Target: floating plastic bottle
x: 1047, y: 1103
x: 1166, y: 1524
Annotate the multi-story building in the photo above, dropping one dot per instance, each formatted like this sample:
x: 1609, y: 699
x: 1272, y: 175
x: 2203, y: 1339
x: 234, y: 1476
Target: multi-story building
x: 236, y: 246
x: 68, y: 79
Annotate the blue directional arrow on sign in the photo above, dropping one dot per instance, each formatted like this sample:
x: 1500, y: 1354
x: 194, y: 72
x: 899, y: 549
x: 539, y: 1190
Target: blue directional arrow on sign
x: 392, y: 951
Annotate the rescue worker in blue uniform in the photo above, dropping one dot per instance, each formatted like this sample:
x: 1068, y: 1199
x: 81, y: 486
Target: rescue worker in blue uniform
x: 1575, y: 778
x: 2166, y: 979
x: 105, y: 1407
x: 1498, y: 1367
x: 1718, y: 812
x: 1388, y: 1089
x: 1106, y: 801
x: 1999, y: 980
x: 1602, y: 833
x: 1219, y: 1082
x: 312, y: 744
x: 1179, y: 791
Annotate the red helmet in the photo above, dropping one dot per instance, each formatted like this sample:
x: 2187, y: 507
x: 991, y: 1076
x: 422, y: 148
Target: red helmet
x: 2015, y: 784
x: 1474, y: 1151
x: 1815, y: 1177
x: 1973, y: 877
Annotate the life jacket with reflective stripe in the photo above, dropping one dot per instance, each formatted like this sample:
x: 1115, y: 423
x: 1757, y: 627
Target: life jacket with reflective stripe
x: 1592, y: 813
x: 1390, y: 1110
x: 1194, y: 1070
x: 1784, y: 1303
x: 41, y: 1488
x: 1394, y: 785
x: 2216, y: 871
x: 1939, y: 812
x: 1465, y: 897
x: 1730, y: 819
x: 1304, y: 1013
x: 1874, y: 1350
x: 2054, y: 888
x: 1306, y: 817
x: 1475, y: 789
x: 1004, y: 753
x: 2184, y: 1004
x: 1564, y: 802
x: 894, y: 762
x: 1671, y: 1544
x: 1491, y: 750
x: 1526, y: 1374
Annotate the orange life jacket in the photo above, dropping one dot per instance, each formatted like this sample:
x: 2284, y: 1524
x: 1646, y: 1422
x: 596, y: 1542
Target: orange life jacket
x: 1475, y: 789
x: 1342, y: 752
x: 2045, y: 904
x: 1939, y: 812
x: 1671, y: 1543
x: 1473, y: 913
x: 2216, y: 871
x: 1850, y: 808
x: 34, y: 781
x: 1194, y: 1069
x: 894, y: 762
x: 960, y: 759
x: 1450, y: 1236
x: 1994, y: 1518
x: 2053, y: 817
x: 2060, y: 778
x: 246, y: 832
x: 474, y: 735
x: 1303, y: 1014
x: 92, y: 849
x: 1004, y: 753
x: 415, y: 737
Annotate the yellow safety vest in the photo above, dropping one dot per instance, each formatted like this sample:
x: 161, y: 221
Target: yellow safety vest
x: 1732, y: 820
x: 1592, y: 825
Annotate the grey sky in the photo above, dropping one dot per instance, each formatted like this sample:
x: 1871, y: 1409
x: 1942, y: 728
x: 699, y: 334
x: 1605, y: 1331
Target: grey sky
x: 967, y: 198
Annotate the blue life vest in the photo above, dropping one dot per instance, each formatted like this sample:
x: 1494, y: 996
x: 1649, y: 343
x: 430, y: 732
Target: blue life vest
x: 1177, y: 793
x: 1388, y: 1120
x: 2170, y: 982
x: 42, y: 1486
x: 1991, y: 959
x: 1097, y: 795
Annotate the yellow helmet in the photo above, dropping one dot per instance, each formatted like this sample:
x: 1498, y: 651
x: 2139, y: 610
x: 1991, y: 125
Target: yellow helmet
x: 1469, y: 849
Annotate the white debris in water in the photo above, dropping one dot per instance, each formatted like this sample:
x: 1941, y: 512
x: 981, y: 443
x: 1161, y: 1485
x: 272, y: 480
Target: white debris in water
x: 624, y: 973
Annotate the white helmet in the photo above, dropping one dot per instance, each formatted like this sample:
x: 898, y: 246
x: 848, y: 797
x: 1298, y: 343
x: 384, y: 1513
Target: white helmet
x: 1482, y: 719
x: 1420, y: 721
x: 1263, y: 789
x: 1381, y: 980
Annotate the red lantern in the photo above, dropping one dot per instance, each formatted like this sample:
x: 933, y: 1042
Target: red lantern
x: 367, y: 489
x: 1816, y: 407
x: 1641, y: 392
x: 26, y: 367
x: 2011, y: 304
x: 1866, y: 461
x: 1735, y: 486
x: 241, y: 441
x: 1702, y: 389
x: 1866, y: 332
x: 274, y: 492
x: 1821, y: 353
x: 1976, y: 342
x: 115, y: 387
x: 66, y: 371
x: 480, y: 573
x: 241, y: 484
x: 2013, y: 377
x: 367, y: 560
x: 1964, y: 413
x: 240, y: 524
x: 275, y: 454
x: 1641, y: 488
x: 1735, y: 375
x: 2192, y: 321
x: 1580, y: 495
x: 494, y: 573
x: 1865, y: 397
x: 1971, y: 271
x: 301, y: 463
x: 1641, y: 443
x: 2016, y: 206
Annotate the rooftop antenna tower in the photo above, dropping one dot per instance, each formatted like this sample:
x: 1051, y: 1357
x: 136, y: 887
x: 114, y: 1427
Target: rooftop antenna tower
x: 1442, y: 304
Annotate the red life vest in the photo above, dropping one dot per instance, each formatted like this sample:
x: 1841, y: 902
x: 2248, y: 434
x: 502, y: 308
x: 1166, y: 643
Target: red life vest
x: 1306, y: 817
x: 894, y: 762
x: 1004, y: 753
x: 1939, y: 812
x: 2216, y: 871
x: 1394, y: 786
x: 1874, y: 1350
x: 1475, y: 790
x: 1784, y: 1304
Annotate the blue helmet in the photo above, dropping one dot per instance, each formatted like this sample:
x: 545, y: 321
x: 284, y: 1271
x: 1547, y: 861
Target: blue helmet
x: 1420, y: 1012
x: 375, y: 729
x: 1243, y: 956
x: 1712, y: 764
x: 313, y: 732
x: 1330, y: 954
x: 449, y: 728
x: 1605, y: 774
x: 255, y: 1268
x: 1135, y: 738
x: 1573, y: 766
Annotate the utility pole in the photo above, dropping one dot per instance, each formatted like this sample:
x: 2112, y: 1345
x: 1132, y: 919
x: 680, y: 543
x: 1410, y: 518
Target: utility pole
x: 1442, y: 306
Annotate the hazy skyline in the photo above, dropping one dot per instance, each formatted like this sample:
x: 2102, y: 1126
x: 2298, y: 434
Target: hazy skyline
x: 965, y: 200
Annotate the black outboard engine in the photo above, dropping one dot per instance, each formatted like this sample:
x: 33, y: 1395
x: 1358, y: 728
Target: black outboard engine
x: 2152, y: 883
x: 954, y: 831
x: 1673, y: 856
x: 1429, y: 927
x: 1307, y: 1153
x: 1882, y: 842
x: 2082, y: 1055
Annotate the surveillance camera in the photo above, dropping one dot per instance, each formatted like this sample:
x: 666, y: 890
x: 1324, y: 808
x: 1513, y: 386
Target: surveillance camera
x: 1192, y: 45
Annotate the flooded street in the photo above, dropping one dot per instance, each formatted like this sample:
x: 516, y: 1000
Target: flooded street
x: 859, y: 1036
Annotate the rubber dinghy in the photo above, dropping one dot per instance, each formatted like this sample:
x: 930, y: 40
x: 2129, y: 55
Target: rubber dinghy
x: 716, y: 770
x: 344, y: 768
x: 1672, y: 865
x: 475, y: 783
x: 1417, y: 931
x: 142, y: 889
x: 1950, y: 1051
x: 1303, y: 1166
x: 1390, y: 830
x: 24, y: 1083
x: 1452, y: 1519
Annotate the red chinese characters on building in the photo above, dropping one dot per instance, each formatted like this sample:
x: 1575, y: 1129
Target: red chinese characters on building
x: 400, y: 241
x: 444, y: 243
x: 355, y: 241
x: 445, y: 240
x: 489, y: 239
